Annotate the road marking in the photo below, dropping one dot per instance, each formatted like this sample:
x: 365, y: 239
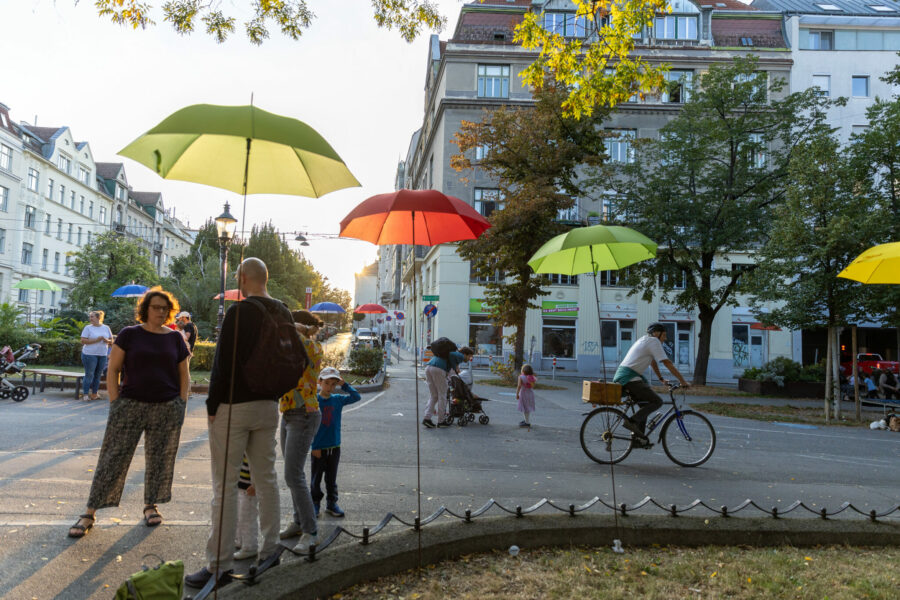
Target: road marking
x: 359, y: 406
x: 822, y: 435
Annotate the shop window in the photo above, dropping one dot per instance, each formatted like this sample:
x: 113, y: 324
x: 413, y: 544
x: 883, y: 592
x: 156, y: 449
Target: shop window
x: 558, y: 337
x: 484, y: 336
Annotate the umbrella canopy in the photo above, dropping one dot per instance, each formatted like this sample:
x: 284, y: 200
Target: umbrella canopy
x: 370, y: 309
x: 879, y: 264
x: 243, y: 149
x: 36, y: 283
x: 422, y: 217
x: 132, y: 290
x: 592, y: 249
x: 230, y: 295
x: 327, y: 307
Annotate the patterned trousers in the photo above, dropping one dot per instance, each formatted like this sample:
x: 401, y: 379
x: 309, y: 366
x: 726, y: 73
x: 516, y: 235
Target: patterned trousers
x: 160, y: 423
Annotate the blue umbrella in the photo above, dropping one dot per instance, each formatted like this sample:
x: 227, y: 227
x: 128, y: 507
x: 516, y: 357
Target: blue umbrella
x: 327, y: 307
x: 132, y: 290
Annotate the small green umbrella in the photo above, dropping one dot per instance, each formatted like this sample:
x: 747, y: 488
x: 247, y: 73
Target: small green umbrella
x: 243, y: 149
x: 36, y: 283
x: 593, y: 249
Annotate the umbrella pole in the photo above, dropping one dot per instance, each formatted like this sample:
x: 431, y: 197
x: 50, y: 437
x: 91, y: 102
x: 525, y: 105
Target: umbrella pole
x: 416, y: 384
x: 599, y: 316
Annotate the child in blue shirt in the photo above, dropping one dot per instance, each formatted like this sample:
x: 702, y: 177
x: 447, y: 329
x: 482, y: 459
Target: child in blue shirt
x: 326, y: 446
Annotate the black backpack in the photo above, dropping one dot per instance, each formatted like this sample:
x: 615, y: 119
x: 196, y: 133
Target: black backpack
x: 442, y: 347
x: 278, y: 358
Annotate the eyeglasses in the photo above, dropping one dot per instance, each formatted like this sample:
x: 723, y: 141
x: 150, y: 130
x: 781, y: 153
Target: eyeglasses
x: 159, y: 307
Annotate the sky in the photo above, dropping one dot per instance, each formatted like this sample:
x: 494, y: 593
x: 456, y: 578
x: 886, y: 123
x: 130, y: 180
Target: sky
x: 359, y: 86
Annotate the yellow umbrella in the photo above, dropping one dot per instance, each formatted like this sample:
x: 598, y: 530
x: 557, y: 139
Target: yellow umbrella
x: 879, y: 264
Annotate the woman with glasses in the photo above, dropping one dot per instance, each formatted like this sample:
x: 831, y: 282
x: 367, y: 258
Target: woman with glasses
x: 148, y: 400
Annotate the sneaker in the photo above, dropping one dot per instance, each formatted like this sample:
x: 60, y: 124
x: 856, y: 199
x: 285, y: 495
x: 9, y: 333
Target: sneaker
x: 428, y: 423
x: 445, y: 423
x: 245, y: 553
x: 86, y: 398
x: 524, y: 424
x: 306, y: 540
x: 201, y: 577
x: 292, y: 530
x: 334, y: 510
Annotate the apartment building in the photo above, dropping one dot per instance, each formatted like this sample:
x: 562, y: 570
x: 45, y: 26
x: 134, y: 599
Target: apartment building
x: 478, y: 68
x: 54, y: 199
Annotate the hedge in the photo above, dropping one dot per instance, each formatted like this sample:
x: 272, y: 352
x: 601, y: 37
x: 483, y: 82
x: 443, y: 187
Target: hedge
x: 204, y: 353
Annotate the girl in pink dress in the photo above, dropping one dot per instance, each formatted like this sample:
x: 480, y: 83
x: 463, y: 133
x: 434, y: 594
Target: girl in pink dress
x: 525, y: 394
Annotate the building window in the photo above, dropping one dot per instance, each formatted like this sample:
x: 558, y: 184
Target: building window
x: 558, y: 337
x: 72, y: 199
x: 69, y: 238
x: 676, y: 27
x: 90, y: 235
x: 678, y: 90
x: 675, y: 281
x: 81, y: 206
x: 59, y: 229
x: 493, y: 81
x: 50, y: 188
x: 821, y: 40
x: 746, y: 346
x: 120, y: 193
x: 91, y: 209
x: 565, y: 24
x: 45, y: 259
x: 2, y: 241
x: 481, y: 151
x: 612, y: 278
x: 62, y: 194
x: 861, y: 86
x: 557, y: 279
x: 4, y: 199
x: 47, y: 224
x: 56, y: 262
x: 487, y: 200
x: 23, y: 295
x: 52, y: 298
x: 68, y: 267
x: 30, y: 217
x: 756, y: 149
x: 33, y: 180
x: 5, y: 157
x: 103, y: 215
x: 27, y: 249
x: 678, y: 343
x: 484, y: 336
x: 64, y: 164
x: 823, y: 82
x: 40, y: 296
x: 84, y: 175
x: 496, y: 277
x: 618, y: 145
x: 760, y: 83
x: 79, y: 237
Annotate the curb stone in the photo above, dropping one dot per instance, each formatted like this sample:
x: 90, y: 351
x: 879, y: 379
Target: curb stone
x: 388, y: 554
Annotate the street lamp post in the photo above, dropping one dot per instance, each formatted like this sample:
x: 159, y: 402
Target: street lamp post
x: 225, y: 226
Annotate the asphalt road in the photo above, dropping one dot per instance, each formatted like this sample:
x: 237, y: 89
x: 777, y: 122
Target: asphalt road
x: 49, y: 444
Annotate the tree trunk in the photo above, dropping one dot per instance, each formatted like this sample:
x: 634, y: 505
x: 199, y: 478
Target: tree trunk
x: 703, y: 346
x: 828, y: 367
x: 520, y: 345
x: 836, y: 371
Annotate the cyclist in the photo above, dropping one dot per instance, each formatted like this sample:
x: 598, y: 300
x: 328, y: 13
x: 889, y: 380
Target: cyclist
x: 647, y: 351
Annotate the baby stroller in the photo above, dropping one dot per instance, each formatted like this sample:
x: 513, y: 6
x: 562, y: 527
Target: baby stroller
x: 12, y: 363
x: 464, y: 405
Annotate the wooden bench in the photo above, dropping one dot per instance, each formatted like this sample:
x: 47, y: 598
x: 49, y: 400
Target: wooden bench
x: 45, y: 373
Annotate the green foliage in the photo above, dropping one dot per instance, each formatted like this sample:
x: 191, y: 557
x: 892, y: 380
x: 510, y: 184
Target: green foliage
x: 365, y: 361
x: 783, y: 370
x: 204, y: 354
x: 59, y: 352
x: 701, y: 191
x: 291, y: 17
x: 335, y: 355
x: 108, y: 262
x: 506, y: 370
x: 59, y: 327
x: 10, y: 317
x: 535, y: 155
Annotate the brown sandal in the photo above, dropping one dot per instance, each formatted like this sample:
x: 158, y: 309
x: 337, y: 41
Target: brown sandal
x: 81, y: 530
x: 149, y: 518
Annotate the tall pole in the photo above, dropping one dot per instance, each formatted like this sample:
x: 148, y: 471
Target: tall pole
x: 223, y: 251
x: 416, y: 385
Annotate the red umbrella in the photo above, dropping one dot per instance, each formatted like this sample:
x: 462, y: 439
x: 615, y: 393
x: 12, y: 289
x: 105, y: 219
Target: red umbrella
x: 370, y: 309
x: 230, y: 295
x: 421, y: 217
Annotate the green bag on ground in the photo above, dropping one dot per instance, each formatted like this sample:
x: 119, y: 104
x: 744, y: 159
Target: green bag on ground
x: 165, y: 581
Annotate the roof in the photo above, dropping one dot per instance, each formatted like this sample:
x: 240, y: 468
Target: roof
x: 490, y: 22
x: 847, y: 7
x: 146, y: 198
x: 764, y: 33
x: 108, y: 170
x: 724, y: 4
x: 45, y: 134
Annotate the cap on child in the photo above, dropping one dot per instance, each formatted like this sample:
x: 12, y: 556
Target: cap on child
x: 329, y: 373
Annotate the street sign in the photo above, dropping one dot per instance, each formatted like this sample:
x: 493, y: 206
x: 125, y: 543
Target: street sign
x: 400, y: 316
x: 308, y: 297
x: 431, y: 298
x: 430, y: 310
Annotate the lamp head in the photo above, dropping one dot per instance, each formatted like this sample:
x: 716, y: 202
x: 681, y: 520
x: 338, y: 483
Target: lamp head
x: 225, y: 225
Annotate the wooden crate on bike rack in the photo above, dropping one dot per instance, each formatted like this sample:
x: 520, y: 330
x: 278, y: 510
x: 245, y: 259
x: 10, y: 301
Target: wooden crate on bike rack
x: 601, y: 392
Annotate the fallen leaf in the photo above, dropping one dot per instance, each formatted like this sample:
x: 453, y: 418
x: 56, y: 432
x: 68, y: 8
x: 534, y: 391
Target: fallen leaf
x: 115, y: 519
x: 713, y: 574
x: 119, y: 558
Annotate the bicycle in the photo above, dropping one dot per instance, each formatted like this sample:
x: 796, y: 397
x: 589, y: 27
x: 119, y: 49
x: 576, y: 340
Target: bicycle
x: 688, y: 437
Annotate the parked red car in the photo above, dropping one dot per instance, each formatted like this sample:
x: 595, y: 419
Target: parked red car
x: 867, y: 362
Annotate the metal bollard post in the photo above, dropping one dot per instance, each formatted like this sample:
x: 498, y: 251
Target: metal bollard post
x: 554, y: 368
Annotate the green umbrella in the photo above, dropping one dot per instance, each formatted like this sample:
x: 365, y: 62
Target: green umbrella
x: 243, y: 149
x: 593, y: 249
x: 36, y: 283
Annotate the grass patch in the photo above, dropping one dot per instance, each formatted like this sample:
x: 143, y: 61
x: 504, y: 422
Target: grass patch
x: 660, y: 573
x: 786, y: 413
x: 497, y: 382
x: 705, y: 390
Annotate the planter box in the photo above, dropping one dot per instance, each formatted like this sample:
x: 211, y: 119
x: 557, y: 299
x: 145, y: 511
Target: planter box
x: 791, y: 389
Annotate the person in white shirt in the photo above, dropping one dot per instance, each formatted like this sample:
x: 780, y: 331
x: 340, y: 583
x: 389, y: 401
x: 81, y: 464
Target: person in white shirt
x: 96, y: 339
x: 646, y: 352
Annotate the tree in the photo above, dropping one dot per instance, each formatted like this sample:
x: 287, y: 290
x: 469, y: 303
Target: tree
x: 108, y: 262
x: 195, y: 279
x: 292, y: 17
x: 534, y: 153
x: 601, y: 69
x: 708, y: 185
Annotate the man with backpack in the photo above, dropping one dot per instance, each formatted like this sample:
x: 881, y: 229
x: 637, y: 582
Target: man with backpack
x: 257, y: 355
x: 446, y: 358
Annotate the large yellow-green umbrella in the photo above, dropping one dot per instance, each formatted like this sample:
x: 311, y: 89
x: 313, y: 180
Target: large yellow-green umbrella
x: 879, y: 264
x: 37, y: 283
x: 243, y: 149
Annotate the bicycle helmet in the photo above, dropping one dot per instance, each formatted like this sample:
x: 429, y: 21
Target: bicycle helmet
x: 654, y: 328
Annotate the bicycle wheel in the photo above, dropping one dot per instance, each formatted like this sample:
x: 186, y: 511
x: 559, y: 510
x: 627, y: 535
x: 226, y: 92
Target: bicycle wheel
x: 689, y: 440
x: 603, y: 438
